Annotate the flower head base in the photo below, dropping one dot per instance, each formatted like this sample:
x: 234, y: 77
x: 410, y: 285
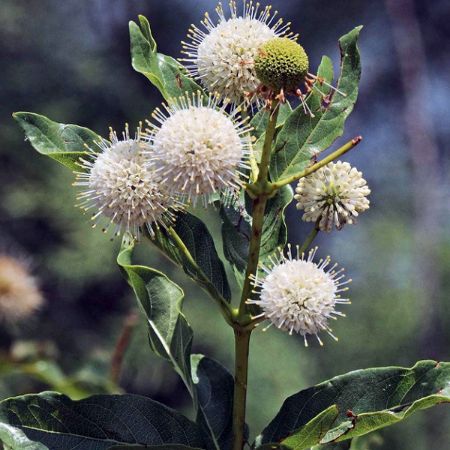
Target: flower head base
x: 281, y: 64
x: 333, y: 196
x: 199, y: 149
x: 120, y: 186
x: 20, y: 296
x: 222, y: 57
x: 299, y: 295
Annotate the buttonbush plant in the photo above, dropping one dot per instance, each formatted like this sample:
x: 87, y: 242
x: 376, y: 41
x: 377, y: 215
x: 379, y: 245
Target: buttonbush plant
x: 244, y: 118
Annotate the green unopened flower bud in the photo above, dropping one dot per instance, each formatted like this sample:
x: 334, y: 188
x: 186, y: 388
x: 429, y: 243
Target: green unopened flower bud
x: 282, y: 64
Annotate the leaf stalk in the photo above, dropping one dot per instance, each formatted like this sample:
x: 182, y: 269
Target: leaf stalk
x: 315, y: 167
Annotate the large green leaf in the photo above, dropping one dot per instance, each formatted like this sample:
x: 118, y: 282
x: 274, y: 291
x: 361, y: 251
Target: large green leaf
x: 65, y: 143
x: 164, y: 72
x: 161, y: 301
x: 303, y: 136
x: 236, y: 230
x: 215, y: 387
x: 366, y: 400
x: 96, y: 423
x: 367, y: 442
x: 345, y: 445
x: 153, y: 447
x: 199, y: 257
x: 209, y: 384
x: 13, y: 438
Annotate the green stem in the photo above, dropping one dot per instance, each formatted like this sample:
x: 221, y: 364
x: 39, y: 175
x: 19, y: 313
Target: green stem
x: 227, y: 311
x: 242, y: 332
x: 259, y: 208
x: 309, y: 240
x: 242, y: 345
x: 338, y: 153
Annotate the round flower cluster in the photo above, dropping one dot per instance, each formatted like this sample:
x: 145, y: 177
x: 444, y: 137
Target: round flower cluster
x: 333, y: 196
x: 20, y: 296
x: 222, y: 56
x: 118, y: 184
x: 198, y: 150
x: 139, y: 183
x: 282, y: 65
x: 299, y: 295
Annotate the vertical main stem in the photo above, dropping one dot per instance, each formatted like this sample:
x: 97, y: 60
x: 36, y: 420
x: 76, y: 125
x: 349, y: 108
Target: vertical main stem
x: 241, y: 333
x: 242, y: 344
x: 259, y: 207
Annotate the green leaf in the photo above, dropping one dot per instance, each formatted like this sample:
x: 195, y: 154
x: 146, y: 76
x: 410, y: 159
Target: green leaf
x: 209, y: 384
x: 260, y: 120
x: 96, y: 423
x: 236, y: 234
x: 215, y: 387
x: 161, y: 300
x: 345, y: 445
x: 197, y: 255
x: 236, y: 230
x: 303, y: 136
x: 366, y: 400
x: 164, y: 72
x: 153, y: 447
x: 274, y: 233
x: 15, y: 439
x: 64, y: 143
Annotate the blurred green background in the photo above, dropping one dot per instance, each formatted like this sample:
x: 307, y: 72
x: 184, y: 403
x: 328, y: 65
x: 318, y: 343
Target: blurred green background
x: 69, y: 60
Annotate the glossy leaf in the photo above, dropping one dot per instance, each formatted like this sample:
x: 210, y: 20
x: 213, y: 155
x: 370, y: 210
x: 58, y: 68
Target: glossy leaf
x: 215, y: 387
x: 161, y: 301
x: 345, y: 445
x: 303, y: 136
x: 153, y: 447
x: 164, y: 72
x: 198, y: 258
x: 274, y: 233
x: 96, y: 423
x: 209, y: 384
x: 64, y: 143
x: 366, y: 400
x: 15, y: 439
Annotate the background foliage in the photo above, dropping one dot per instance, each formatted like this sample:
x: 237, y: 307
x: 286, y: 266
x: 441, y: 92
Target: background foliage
x: 70, y: 61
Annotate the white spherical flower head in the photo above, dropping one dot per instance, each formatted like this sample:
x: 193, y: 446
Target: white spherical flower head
x: 20, y: 296
x: 120, y: 186
x: 199, y: 150
x: 299, y: 295
x: 333, y: 196
x: 222, y: 56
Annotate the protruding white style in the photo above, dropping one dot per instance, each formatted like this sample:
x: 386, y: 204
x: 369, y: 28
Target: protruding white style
x: 222, y: 54
x: 333, y: 196
x: 198, y: 149
x: 299, y: 295
x: 20, y: 296
x: 119, y: 185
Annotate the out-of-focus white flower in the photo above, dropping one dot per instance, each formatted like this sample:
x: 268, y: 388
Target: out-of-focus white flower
x: 298, y: 295
x: 119, y: 185
x: 222, y: 56
x: 20, y: 296
x: 334, y: 196
x: 198, y: 149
